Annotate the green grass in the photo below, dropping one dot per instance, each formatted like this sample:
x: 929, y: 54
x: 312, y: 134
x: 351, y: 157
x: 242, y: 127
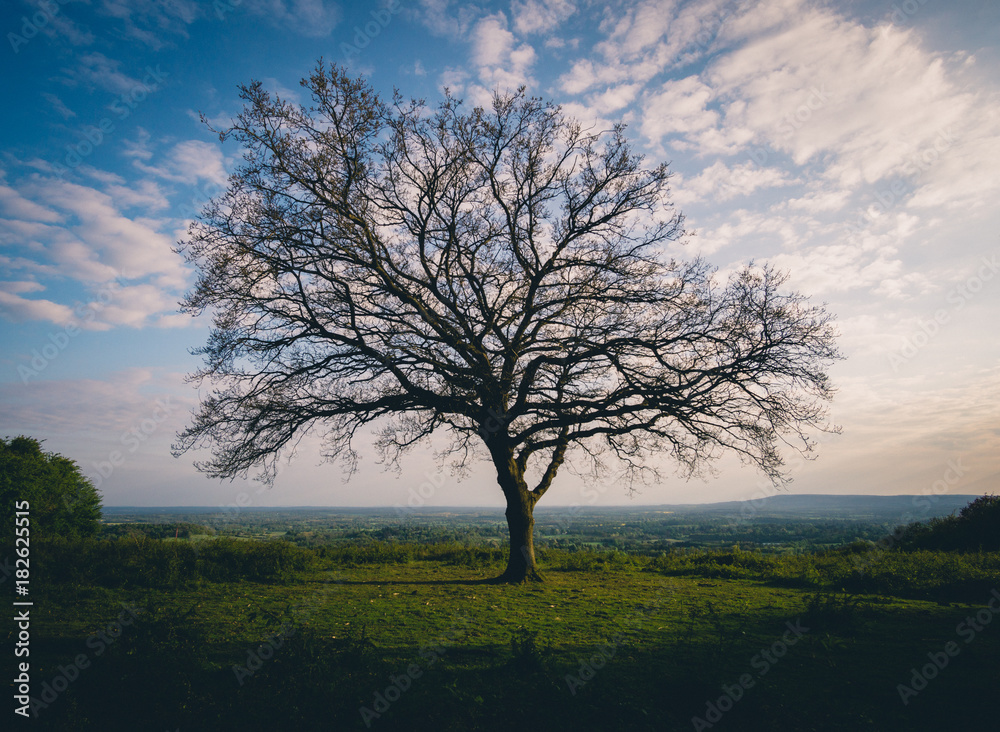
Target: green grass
x: 668, y: 632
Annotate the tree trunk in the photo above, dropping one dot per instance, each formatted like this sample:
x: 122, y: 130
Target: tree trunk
x: 521, y: 566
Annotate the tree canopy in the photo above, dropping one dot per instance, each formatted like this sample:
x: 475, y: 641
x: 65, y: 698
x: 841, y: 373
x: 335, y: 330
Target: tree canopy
x: 498, y: 273
x: 63, y: 501
x: 976, y: 527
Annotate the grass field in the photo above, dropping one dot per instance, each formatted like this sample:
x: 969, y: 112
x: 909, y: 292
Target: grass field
x: 411, y: 638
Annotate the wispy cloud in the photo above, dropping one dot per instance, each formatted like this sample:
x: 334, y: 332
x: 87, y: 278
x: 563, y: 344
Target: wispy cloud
x: 154, y: 23
x: 316, y: 18
x: 57, y: 231
x: 96, y: 71
x: 448, y: 18
x: 540, y: 16
x: 58, y: 105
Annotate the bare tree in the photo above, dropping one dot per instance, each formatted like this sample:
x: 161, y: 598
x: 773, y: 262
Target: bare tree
x: 496, y: 273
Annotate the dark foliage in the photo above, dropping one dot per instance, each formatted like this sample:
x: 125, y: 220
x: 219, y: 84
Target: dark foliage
x: 975, y: 528
x: 137, y: 561
x: 63, y: 502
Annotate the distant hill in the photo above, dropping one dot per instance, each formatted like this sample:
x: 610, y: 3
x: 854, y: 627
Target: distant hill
x: 902, y: 509
x: 803, y: 505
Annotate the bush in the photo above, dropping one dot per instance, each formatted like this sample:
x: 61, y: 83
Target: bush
x: 63, y: 502
x: 137, y: 561
x: 975, y: 528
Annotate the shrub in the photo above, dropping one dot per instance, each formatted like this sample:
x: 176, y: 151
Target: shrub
x: 976, y: 527
x: 138, y: 561
x: 63, y: 502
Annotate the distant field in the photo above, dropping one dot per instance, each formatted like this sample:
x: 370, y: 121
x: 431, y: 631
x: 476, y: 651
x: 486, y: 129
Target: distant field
x: 776, y: 524
x: 266, y: 635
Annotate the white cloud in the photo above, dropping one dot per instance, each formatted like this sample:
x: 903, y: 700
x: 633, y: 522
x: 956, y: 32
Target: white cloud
x: 647, y: 39
x: 859, y: 105
x: 501, y: 61
x: 19, y: 287
x: 587, y: 115
x: 818, y: 201
x: 18, y: 309
x: 614, y: 98
x: 871, y: 135
x: 195, y: 160
x: 446, y: 18
x: 146, y: 195
x: 61, y: 26
x: 865, y: 104
x: 830, y: 268
x: 65, y: 232
x: 15, y: 205
x: 189, y: 162
x: 581, y: 77
x: 124, y: 244
x: 540, y: 16
x: 679, y: 107
x: 642, y: 27
x: 453, y: 79
x: 758, y: 234
x: 137, y: 305
x: 721, y: 183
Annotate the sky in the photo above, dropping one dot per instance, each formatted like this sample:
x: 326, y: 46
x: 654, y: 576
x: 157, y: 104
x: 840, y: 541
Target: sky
x: 854, y: 144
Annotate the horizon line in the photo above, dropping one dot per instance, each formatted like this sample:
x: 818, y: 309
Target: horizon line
x: 556, y: 505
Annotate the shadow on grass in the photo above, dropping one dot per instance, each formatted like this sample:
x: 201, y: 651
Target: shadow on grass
x: 157, y: 677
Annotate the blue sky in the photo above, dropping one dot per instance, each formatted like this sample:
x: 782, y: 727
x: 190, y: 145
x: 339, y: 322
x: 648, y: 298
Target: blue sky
x: 855, y: 144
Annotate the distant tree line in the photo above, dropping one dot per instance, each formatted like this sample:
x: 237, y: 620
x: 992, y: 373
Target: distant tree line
x: 177, y: 529
x: 976, y: 527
